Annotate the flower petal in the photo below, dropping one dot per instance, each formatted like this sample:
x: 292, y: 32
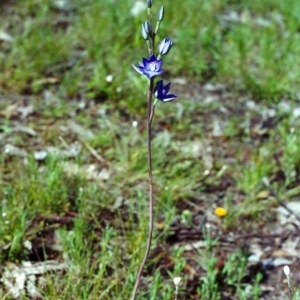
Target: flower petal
x: 159, y: 85
x: 167, y: 87
x: 152, y: 58
x: 169, y: 98
x: 138, y: 69
x: 150, y: 74
x: 158, y: 64
x: 146, y: 61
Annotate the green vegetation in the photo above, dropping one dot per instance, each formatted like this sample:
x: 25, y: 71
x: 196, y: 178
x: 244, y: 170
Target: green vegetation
x: 249, y: 45
x: 73, y: 172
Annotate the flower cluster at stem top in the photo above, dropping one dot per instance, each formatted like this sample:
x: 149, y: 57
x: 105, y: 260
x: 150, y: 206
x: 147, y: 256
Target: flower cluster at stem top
x: 152, y: 66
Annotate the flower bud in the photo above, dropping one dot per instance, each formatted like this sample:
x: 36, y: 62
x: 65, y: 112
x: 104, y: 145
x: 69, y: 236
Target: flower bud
x: 148, y: 27
x: 145, y: 35
x: 160, y: 14
x: 177, y: 281
x: 149, y: 3
x: 165, y: 46
x: 286, y: 270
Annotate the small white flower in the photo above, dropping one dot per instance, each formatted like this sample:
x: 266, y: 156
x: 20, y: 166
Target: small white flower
x: 137, y: 8
x: 27, y: 244
x: 109, y: 78
x: 286, y: 271
x: 206, y: 172
x: 177, y: 281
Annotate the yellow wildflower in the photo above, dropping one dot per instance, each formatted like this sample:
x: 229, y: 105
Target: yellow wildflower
x: 220, y: 211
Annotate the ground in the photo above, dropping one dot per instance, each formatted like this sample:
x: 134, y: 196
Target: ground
x: 195, y: 231
x: 73, y: 161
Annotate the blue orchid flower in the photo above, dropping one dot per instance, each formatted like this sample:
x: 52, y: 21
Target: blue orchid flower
x: 150, y: 67
x: 161, y: 92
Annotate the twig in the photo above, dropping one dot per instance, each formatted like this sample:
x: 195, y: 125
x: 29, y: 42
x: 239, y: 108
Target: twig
x: 93, y: 151
x: 63, y: 141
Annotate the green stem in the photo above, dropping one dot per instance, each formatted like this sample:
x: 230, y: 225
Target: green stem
x: 150, y: 114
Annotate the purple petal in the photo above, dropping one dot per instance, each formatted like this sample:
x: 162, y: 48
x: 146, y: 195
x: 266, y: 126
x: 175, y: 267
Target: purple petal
x: 152, y: 58
x: 151, y: 74
x: 146, y: 61
x: 139, y: 69
x: 158, y: 64
x: 169, y: 98
x: 159, y: 85
x: 167, y: 87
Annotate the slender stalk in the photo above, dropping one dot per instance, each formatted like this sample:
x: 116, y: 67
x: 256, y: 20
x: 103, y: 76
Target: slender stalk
x: 176, y: 294
x: 150, y: 114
